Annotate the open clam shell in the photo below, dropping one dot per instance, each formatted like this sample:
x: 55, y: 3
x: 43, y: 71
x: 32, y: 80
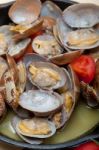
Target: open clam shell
x: 36, y: 128
x: 24, y: 31
x: 46, y: 75
x: 46, y: 45
x: 40, y: 102
x: 77, y: 39
x: 29, y: 140
x: 81, y: 15
x: 51, y: 10
x: 25, y: 12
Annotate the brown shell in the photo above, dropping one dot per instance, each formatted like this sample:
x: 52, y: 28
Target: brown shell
x: 35, y: 27
x: 65, y: 58
x: 11, y: 93
x: 25, y: 12
x: 13, y: 67
x: 81, y: 15
x: 2, y: 107
x: 90, y: 93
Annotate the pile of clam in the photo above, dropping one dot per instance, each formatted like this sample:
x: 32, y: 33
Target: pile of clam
x: 42, y: 94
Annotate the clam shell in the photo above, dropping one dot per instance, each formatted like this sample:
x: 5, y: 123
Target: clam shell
x: 81, y: 15
x: 64, y: 30
x: 52, y: 67
x: 51, y: 10
x: 89, y: 94
x: 2, y: 107
x: 3, y: 69
x: 13, y: 67
x: 29, y: 58
x: 29, y: 140
x: 10, y: 90
x: 33, y: 29
x: 35, y: 122
x: 46, y: 45
x: 25, y: 12
x: 65, y: 58
x: 22, y: 77
x: 42, y: 103
x: 16, y: 50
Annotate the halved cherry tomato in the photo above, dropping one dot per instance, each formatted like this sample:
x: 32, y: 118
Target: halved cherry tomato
x: 84, y: 66
x: 88, y: 146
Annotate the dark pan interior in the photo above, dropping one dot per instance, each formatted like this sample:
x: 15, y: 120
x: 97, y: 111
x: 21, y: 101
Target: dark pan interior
x: 5, y: 20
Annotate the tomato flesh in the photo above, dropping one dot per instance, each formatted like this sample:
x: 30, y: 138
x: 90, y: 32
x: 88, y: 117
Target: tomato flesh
x: 84, y: 66
x: 88, y: 146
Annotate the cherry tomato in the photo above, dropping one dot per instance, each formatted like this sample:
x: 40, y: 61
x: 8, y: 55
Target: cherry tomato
x: 88, y: 146
x: 84, y: 66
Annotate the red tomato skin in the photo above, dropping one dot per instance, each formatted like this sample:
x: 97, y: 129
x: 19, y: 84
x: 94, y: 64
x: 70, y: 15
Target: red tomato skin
x: 84, y: 66
x: 88, y: 146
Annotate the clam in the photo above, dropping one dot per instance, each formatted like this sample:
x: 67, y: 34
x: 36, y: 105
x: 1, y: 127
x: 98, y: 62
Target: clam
x: 46, y: 75
x: 23, y: 113
x: 24, y: 31
x: 51, y: 10
x: 13, y: 67
x: 77, y: 38
x: 11, y: 93
x: 90, y: 92
x: 29, y: 140
x: 2, y: 107
x: 21, y: 84
x: 40, y: 102
x: 16, y: 50
x: 29, y: 58
x: 81, y: 15
x: 34, y: 128
x: 65, y: 58
x: 70, y: 97
x: 76, y: 28
x: 3, y: 69
x: 25, y: 12
x: 46, y: 45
